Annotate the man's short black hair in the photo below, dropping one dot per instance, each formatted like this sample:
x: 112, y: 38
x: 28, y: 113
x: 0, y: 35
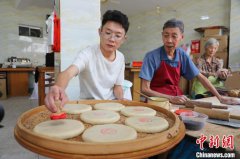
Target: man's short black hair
x: 174, y: 23
x: 116, y: 16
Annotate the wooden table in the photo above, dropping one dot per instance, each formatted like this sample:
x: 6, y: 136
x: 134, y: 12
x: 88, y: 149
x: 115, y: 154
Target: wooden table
x: 41, y: 83
x: 17, y: 80
x: 132, y: 74
x: 214, y: 129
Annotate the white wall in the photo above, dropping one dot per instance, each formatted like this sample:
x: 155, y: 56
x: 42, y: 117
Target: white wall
x: 234, y: 49
x: 11, y: 44
x: 145, y: 28
x: 80, y: 20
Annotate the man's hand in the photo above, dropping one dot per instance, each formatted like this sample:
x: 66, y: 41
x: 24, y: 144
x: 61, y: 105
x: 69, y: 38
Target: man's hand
x: 223, y: 73
x: 179, y: 99
x: 55, y: 93
x: 229, y: 100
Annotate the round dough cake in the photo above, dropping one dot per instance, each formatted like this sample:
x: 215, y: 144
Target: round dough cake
x: 76, y: 108
x: 100, y: 117
x: 62, y: 128
x: 147, y: 124
x: 109, y: 133
x: 138, y: 111
x: 109, y: 106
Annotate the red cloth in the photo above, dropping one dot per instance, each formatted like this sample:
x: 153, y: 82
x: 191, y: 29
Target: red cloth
x: 166, y: 79
x: 57, y: 35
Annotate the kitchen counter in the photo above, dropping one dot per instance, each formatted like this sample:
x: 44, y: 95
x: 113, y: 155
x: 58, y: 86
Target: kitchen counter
x: 17, y: 69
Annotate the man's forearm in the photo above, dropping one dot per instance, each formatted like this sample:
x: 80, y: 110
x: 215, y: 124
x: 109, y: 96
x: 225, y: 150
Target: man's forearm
x: 65, y: 76
x: 151, y: 93
x: 62, y: 81
x: 118, y: 92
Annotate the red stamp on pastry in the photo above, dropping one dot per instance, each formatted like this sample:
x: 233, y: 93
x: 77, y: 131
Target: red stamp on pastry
x: 108, y: 131
x: 145, y: 120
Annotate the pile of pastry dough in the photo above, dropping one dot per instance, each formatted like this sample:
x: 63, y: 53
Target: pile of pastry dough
x: 234, y: 93
x: 103, y: 118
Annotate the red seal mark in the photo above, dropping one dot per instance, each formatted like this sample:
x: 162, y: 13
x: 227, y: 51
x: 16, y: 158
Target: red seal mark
x: 144, y: 120
x: 179, y: 111
x: 108, y: 131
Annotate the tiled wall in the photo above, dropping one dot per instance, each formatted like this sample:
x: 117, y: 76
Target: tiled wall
x: 145, y: 28
x: 11, y: 44
x: 80, y: 21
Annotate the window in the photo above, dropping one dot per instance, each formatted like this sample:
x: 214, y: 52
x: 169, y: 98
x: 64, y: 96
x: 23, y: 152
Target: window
x: 25, y: 30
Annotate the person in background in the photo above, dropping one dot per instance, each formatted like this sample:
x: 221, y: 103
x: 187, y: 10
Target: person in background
x: 212, y: 68
x: 100, y: 67
x: 163, y: 67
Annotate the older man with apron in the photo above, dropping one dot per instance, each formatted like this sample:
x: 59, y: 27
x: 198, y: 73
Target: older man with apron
x: 161, y: 72
x: 163, y: 67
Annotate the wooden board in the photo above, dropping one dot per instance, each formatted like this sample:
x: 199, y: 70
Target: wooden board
x: 213, y: 129
x: 234, y: 109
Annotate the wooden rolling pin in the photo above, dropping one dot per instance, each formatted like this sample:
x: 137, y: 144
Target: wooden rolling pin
x: 235, y: 117
x: 214, y: 113
x: 192, y: 104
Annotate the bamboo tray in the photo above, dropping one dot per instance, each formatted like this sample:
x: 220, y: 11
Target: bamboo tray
x: 144, y: 146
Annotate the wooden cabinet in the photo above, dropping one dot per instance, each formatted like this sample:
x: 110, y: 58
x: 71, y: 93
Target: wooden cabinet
x: 17, y: 80
x: 17, y: 83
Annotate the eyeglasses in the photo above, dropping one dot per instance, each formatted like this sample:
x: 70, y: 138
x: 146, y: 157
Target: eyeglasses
x: 109, y: 35
x: 167, y: 36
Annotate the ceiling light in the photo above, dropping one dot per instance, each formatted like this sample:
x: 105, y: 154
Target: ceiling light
x: 204, y: 17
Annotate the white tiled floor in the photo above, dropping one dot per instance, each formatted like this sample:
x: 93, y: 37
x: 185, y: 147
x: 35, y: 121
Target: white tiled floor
x: 9, y: 147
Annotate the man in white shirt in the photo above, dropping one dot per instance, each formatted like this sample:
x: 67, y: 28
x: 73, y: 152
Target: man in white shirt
x: 100, y: 67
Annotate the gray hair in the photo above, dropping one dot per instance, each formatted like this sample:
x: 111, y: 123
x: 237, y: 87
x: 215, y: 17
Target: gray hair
x: 211, y: 42
x: 174, y: 23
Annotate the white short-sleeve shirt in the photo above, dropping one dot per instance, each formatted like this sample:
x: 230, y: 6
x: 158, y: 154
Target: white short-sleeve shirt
x: 97, y: 75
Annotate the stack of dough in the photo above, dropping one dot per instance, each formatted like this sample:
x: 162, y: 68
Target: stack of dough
x: 109, y: 133
x: 62, y: 128
x: 147, y: 124
x: 109, y: 106
x: 139, y: 119
x: 100, y: 117
x: 234, y: 93
x: 138, y: 111
x: 76, y: 108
